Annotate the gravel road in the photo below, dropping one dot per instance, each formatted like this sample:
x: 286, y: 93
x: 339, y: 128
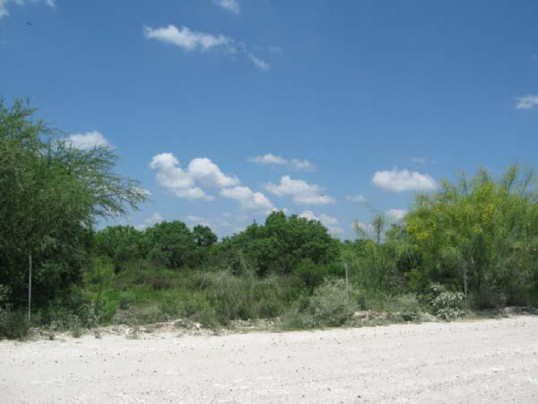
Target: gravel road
x: 479, y: 361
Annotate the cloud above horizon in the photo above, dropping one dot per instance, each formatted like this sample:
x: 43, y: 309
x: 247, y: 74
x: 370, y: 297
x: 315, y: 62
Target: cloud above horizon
x: 300, y: 191
x: 229, y: 5
x: 202, y: 174
x: 294, y: 163
x: 4, y: 11
x: 197, y: 41
x: 248, y: 199
x: 331, y: 223
x: 396, y: 214
x: 188, y: 40
x: 422, y: 160
x: 403, y: 180
x: 88, y: 140
x: 356, y: 198
x: 527, y: 102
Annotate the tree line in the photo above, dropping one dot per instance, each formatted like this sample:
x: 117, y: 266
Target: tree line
x: 477, y: 236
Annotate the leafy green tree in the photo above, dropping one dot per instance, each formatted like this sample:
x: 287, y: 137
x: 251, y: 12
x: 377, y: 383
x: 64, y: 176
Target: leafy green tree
x: 479, y: 236
x: 121, y: 244
x: 204, y: 236
x: 282, y: 243
x: 171, y: 244
x: 374, y: 257
x: 51, y: 194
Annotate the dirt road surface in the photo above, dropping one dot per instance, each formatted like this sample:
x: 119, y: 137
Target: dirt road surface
x: 480, y: 361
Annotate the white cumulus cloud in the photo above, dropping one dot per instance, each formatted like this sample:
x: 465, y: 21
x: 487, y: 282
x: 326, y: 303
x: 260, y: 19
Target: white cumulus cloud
x: 268, y: 159
x: 154, y: 219
x: 248, y: 199
x: 403, y: 180
x: 4, y: 11
x: 187, y: 39
x: 302, y: 165
x: 527, y: 102
x: 300, y: 191
x: 215, y: 223
x: 87, y: 140
x: 172, y: 177
x: 396, y: 214
x: 362, y: 228
x: 209, y: 174
x: 331, y: 223
x: 296, y: 164
x: 356, y: 198
x: 201, y: 174
x: 150, y: 221
x: 229, y: 5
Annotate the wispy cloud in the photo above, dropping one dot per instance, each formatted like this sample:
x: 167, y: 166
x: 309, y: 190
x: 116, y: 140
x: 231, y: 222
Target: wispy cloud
x: 422, y: 161
x: 527, y: 102
x: 356, y: 198
x: 4, y: 11
x: 302, y: 165
x: 197, y: 41
x: 260, y: 64
x: 187, y: 39
x: 331, y: 223
x: 271, y: 159
x: 275, y: 49
x: 87, y: 140
x: 396, y: 214
x: 248, y: 199
x: 403, y: 180
x: 229, y: 5
x: 150, y: 221
x: 300, y: 191
x: 219, y: 223
x: 268, y: 158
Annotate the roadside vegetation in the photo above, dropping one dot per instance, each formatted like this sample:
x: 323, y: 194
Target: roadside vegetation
x: 471, y: 245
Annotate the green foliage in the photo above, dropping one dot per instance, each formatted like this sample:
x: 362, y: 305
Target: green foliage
x: 445, y: 304
x: 375, y: 260
x: 171, y: 244
x: 280, y: 245
x: 245, y: 297
x: 374, y: 267
x: 308, y: 276
x: 203, y: 236
x: 479, y: 236
x: 329, y: 306
x: 122, y: 244
x: 13, y: 324
x: 50, y: 195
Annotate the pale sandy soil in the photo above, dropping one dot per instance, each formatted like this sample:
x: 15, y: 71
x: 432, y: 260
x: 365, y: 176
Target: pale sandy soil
x: 482, y: 361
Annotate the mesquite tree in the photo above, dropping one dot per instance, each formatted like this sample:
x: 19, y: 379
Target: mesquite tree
x: 51, y: 194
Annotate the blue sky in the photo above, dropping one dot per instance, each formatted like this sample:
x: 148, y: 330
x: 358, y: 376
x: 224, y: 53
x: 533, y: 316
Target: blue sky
x: 226, y: 109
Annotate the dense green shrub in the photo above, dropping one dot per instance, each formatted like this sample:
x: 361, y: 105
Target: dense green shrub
x: 51, y: 194
x: 13, y: 324
x: 279, y: 245
x: 245, y: 297
x: 445, y: 304
x: 479, y: 236
x: 330, y: 304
